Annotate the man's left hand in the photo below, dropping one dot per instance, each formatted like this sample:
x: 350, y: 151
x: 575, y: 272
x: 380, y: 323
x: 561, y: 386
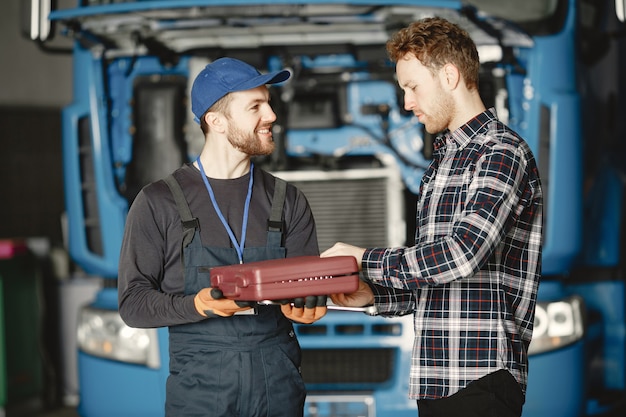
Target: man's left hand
x: 305, y: 310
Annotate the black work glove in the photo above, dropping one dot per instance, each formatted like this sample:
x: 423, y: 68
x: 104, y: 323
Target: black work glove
x: 305, y: 310
x: 218, y: 294
x: 310, y: 301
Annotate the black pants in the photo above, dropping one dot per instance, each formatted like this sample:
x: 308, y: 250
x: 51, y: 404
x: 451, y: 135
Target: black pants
x: 494, y: 395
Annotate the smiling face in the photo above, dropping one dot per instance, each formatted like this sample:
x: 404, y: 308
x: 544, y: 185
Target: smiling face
x: 250, y: 119
x: 424, y: 94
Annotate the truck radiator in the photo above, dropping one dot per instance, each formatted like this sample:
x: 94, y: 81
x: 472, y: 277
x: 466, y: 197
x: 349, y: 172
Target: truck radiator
x: 363, y: 207
x: 360, y: 368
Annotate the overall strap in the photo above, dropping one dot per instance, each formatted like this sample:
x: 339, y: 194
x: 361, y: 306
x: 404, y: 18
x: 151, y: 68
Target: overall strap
x: 275, y: 224
x: 190, y: 223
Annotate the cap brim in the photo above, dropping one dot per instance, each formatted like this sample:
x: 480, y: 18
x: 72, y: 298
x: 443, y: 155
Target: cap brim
x: 263, y: 79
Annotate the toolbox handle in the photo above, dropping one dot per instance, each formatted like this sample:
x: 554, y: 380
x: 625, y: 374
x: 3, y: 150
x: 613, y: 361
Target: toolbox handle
x: 232, y: 288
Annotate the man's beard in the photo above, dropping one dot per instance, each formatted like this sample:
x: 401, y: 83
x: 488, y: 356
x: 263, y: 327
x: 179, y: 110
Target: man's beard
x: 441, y: 112
x: 248, y: 143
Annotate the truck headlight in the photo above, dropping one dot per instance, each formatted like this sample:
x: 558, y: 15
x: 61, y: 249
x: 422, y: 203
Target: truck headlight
x: 557, y: 324
x: 103, y: 333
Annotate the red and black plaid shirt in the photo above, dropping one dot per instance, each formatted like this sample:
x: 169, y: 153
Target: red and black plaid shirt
x: 471, y: 278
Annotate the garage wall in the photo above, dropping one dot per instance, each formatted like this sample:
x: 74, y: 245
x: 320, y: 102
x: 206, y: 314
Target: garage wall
x: 27, y: 75
x: 34, y: 86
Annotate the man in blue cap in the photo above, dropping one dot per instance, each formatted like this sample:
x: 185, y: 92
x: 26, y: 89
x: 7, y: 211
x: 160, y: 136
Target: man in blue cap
x: 226, y: 358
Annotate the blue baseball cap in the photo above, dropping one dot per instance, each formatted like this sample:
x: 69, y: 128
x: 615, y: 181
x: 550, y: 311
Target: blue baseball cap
x: 227, y: 75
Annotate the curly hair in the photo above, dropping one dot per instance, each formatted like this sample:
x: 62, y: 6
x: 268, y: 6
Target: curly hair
x: 436, y: 42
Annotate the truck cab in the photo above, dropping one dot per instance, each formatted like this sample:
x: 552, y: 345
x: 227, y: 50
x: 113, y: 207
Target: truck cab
x: 344, y: 138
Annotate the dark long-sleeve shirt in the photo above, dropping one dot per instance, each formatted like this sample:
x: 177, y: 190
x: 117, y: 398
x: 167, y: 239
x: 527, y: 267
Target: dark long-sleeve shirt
x: 151, y: 284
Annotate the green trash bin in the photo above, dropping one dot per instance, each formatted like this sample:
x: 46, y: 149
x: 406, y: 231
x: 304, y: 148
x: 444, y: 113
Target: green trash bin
x: 21, y: 365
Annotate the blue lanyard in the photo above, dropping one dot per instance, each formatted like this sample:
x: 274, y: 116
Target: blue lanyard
x: 246, y: 208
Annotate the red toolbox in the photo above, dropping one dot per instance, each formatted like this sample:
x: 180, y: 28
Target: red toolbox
x: 288, y: 278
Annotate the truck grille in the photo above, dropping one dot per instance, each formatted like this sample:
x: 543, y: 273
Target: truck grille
x: 345, y: 366
x: 352, y: 341
x: 363, y: 207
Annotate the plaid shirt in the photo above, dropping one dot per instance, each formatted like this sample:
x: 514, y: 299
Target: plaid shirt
x: 471, y: 279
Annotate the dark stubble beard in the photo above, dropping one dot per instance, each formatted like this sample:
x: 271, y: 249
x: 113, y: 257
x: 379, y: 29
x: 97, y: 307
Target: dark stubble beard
x: 248, y: 142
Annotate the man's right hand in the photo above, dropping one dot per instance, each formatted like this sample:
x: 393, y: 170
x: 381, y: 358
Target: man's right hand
x: 209, y: 302
x: 362, y: 297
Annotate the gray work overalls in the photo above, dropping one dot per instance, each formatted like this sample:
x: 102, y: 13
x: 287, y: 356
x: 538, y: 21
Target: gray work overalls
x: 246, y: 365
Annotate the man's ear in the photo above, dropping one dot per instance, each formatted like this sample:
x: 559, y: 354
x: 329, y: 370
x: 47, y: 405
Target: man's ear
x: 450, y: 76
x: 215, y: 121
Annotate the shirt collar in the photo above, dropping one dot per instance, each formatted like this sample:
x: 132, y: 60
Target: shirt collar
x: 477, y: 125
x: 464, y: 134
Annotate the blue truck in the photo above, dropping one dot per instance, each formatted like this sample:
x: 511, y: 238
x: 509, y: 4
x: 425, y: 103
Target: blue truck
x: 344, y: 138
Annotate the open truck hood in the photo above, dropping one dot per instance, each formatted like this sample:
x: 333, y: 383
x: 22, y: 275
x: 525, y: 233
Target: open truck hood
x: 192, y: 26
